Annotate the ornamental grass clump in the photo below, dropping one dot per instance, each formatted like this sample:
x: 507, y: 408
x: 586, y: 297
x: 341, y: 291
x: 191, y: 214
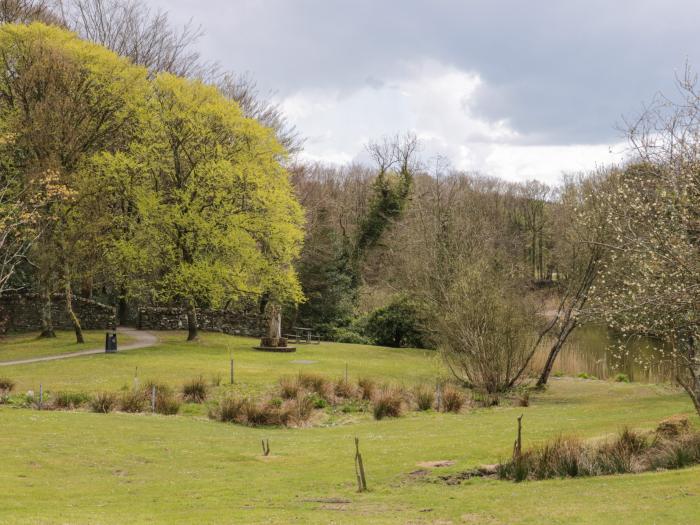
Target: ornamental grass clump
x: 195, y: 390
x: 133, y: 401
x: 388, y: 402
x: 367, y: 388
x: 628, y: 452
x: 70, y: 400
x: 425, y: 397
x: 104, y: 402
x: 452, y: 399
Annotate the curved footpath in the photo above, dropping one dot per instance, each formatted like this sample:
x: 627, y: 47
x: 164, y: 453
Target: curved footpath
x: 140, y: 338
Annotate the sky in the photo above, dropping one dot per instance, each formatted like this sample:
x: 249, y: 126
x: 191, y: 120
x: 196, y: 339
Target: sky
x: 509, y: 88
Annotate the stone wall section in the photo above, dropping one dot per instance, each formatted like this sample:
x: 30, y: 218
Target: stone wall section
x: 22, y: 313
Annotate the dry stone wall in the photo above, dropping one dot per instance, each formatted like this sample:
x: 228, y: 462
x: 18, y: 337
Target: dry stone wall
x: 22, y: 313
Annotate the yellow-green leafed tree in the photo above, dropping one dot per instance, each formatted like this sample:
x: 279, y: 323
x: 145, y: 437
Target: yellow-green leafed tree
x: 218, y: 217
x: 63, y: 101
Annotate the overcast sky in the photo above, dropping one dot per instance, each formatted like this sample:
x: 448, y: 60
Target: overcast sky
x: 512, y: 88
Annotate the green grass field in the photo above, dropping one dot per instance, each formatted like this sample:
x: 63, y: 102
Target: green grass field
x: 27, y: 346
x: 79, y: 467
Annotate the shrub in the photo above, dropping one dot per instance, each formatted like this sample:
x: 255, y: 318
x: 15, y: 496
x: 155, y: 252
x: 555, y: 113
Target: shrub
x: 132, y: 401
x: 367, y: 388
x: 316, y: 401
x: 387, y: 403
x: 345, y: 389
x: 6, y: 385
x: 622, y: 378
x: 452, y: 399
x: 399, y: 324
x: 70, y: 400
x: 104, y: 402
x: 347, y: 335
x: 258, y: 414
x: 195, y: 390
x: 425, y: 397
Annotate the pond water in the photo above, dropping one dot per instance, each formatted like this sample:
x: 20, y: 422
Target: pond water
x: 602, y: 353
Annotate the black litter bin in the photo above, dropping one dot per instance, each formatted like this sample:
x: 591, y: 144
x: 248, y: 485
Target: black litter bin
x: 111, y: 342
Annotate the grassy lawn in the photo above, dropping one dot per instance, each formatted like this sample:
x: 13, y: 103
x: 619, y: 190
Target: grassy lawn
x: 29, y: 345
x: 78, y: 467
x: 174, y: 360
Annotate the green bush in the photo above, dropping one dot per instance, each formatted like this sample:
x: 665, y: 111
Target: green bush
x: 622, y: 378
x: 348, y: 335
x: 399, y: 324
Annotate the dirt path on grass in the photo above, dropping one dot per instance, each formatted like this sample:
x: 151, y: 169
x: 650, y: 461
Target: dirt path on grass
x: 140, y: 339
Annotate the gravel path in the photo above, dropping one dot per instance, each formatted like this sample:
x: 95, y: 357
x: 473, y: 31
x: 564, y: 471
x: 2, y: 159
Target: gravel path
x: 140, y: 339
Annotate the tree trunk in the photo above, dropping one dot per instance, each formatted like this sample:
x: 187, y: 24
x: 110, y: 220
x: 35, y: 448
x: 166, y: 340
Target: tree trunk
x: 192, y: 328
x: 554, y: 353
x: 46, y: 317
x: 692, y: 386
x: 71, y: 314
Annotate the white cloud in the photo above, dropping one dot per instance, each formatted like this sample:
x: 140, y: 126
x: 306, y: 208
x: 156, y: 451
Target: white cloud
x: 437, y: 103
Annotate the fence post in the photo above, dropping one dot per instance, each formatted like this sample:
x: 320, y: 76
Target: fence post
x: 41, y: 396
x: 232, y: 370
x: 359, y: 468
x: 153, y: 398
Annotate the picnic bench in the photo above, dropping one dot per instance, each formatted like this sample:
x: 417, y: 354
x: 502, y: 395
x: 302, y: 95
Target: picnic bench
x: 303, y: 335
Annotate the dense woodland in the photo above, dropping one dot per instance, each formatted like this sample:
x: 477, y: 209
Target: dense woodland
x: 135, y: 172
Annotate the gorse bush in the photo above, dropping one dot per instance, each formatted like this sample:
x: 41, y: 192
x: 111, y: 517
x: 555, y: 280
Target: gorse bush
x: 195, y: 390
x: 104, y: 402
x: 70, y: 400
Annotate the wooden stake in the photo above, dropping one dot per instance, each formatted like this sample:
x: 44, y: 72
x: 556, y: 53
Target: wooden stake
x: 518, y: 446
x: 41, y: 396
x: 231, y: 370
x: 359, y: 468
x: 265, y: 447
x: 153, y: 398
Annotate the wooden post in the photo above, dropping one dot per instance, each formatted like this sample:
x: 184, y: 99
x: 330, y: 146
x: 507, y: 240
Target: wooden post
x: 231, y: 370
x: 136, y: 377
x: 438, y: 396
x: 518, y: 445
x: 265, y: 447
x: 41, y: 396
x: 359, y: 468
x: 153, y: 398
